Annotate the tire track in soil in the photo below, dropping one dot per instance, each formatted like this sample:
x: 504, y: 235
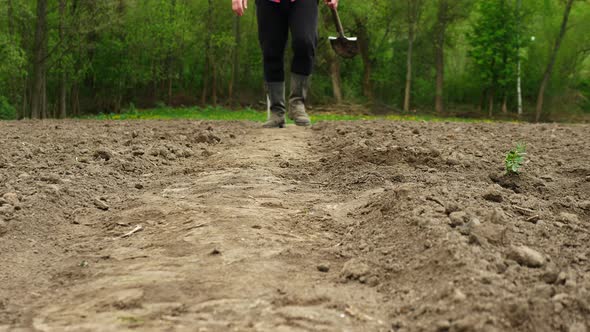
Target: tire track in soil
x: 234, y: 247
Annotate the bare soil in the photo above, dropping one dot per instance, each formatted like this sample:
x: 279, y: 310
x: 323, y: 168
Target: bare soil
x: 361, y: 226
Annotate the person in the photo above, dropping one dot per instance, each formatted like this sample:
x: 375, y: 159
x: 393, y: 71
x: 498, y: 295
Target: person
x: 275, y: 19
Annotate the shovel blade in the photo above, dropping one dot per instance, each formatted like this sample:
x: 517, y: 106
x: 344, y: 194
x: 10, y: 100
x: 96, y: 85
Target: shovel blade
x: 345, y: 47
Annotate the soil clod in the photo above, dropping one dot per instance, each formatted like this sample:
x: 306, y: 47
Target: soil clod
x: 493, y: 195
x: 526, y: 256
x: 323, y: 268
x: 568, y: 218
x: 100, y: 204
x: 458, y: 218
x: 3, y: 227
x: 355, y: 269
x: 11, y: 198
x: 103, y: 154
x: 578, y: 327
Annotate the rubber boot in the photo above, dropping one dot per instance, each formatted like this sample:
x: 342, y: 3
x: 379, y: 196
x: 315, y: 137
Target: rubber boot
x: 299, y: 87
x: 276, y: 100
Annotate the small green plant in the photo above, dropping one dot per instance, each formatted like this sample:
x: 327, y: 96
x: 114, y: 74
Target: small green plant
x: 515, y: 159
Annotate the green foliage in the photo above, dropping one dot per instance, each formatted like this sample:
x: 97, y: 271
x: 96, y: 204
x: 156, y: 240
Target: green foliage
x: 494, y: 43
x: 7, y: 111
x: 515, y: 159
x: 248, y: 114
x: 117, y: 52
x: 12, y: 63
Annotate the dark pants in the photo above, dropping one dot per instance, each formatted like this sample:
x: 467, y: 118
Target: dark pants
x: 274, y: 22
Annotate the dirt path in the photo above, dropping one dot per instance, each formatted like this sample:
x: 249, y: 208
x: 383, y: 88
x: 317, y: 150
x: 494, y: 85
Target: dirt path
x: 352, y: 226
x: 220, y: 251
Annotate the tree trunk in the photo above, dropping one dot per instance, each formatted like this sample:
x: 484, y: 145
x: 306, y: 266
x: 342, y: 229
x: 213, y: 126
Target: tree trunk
x: 205, y: 81
x: 439, y: 55
x: 363, y: 39
x: 75, y: 100
x: 519, y: 89
x: 208, y: 56
x: 518, y: 66
x: 170, y: 90
x: 214, y: 82
x: 10, y: 16
x: 505, y: 104
x: 170, y: 58
x: 408, y: 91
x: 23, y: 111
x: 12, y: 88
x: 39, y: 52
x: 491, y: 102
x: 236, y: 59
x: 334, y: 63
x: 492, y: 89
x: 553, y: 57
x: 62, y: 108
x: 155, y: 80
x: 336, y: 79
x: 62, y: 84
x: 482, y: 100
x: 413, y: 15
x: 44, y: 109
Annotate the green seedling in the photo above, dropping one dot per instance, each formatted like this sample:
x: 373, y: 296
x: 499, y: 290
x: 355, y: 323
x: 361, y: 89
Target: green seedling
x: 515, y: 159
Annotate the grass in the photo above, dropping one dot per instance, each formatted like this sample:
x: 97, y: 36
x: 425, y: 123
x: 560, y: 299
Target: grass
x: 248, y: 114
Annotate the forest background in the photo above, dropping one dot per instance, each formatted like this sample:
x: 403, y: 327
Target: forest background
x: 68, y: 58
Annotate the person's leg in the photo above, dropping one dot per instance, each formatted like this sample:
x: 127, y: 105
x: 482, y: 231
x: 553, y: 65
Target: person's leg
x: 273, y: 32
x: 303, y: 23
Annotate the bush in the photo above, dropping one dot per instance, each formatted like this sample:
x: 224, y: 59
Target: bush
x: 7, y: 111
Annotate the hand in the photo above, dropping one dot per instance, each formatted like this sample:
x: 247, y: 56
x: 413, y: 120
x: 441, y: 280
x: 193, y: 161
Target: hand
x: 239, y: 6
x: 332, y: 3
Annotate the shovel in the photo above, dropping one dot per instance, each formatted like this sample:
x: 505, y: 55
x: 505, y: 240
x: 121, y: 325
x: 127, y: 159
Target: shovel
x: 346, y: 47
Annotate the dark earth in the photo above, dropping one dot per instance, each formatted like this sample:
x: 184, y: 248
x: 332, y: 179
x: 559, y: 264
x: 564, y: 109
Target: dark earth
x: 347, y: 226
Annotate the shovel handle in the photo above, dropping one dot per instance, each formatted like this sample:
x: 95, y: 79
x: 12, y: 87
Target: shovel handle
x: 338, y: 22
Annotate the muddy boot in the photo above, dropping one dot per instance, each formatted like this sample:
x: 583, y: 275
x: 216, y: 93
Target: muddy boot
x: 299, y: 86
x: 276, y: 100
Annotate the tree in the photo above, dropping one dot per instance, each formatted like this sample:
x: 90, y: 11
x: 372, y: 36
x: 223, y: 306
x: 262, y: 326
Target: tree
x: 330, y: 57
x: 365, y: 50
x: 39, y: 95
x: 236, y: 58
x: 209, y: 70
x: 448, y: 13
x: 67, y: 57
x: 414, y: 8
x: 519, y: 65
x: 62, y: 83
x: 441, y: 26
x: 552, y: 58
x: 494, y: 48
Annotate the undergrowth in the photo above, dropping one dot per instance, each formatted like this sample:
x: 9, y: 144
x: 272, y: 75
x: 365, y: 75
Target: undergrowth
x: 249, y: 114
